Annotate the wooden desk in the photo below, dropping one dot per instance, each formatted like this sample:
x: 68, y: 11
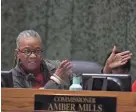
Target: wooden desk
x: 23, y: 99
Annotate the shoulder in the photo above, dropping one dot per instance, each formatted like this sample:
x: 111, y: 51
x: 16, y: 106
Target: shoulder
x: 14, y: 71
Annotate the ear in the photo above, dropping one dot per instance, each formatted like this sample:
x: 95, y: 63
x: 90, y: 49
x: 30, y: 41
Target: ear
x: 16, y: 53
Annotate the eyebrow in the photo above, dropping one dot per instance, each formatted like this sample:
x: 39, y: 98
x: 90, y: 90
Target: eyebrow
x: 29, y: 47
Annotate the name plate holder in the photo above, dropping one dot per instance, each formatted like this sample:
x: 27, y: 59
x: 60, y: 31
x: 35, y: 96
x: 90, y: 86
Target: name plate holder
x: 75, y: 103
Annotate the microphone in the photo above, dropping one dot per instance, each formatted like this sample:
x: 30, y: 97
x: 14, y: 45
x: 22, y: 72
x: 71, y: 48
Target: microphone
x: 134, y: 87
x: 30, y: 77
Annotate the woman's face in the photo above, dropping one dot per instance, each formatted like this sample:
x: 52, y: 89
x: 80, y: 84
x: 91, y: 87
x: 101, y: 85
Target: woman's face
x: 29, y: 53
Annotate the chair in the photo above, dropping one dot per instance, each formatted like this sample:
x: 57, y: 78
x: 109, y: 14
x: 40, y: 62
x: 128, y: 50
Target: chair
x: 80, y: 67
x: 6, y: 79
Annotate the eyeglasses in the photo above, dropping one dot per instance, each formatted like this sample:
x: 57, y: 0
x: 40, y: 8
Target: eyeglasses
x: 29, y: 52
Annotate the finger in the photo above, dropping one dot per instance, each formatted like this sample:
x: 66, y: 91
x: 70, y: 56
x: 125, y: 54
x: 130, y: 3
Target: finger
x: 123, y: 63
x: 125, y: 56
x: 69, y: 67
x: 63, y: 63
x: 124, y: 53
x: 66, y: 64
x: 126, y: 59
x: 114, y: 50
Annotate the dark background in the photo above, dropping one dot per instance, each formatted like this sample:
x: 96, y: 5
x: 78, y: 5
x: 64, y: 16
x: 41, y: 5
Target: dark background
x: 73, y: 29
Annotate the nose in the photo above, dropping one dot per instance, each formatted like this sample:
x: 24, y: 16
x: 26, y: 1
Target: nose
x: 32, y: 55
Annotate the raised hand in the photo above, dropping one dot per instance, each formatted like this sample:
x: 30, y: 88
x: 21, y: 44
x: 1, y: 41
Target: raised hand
x: 116, y: 60
x: 64, y: 70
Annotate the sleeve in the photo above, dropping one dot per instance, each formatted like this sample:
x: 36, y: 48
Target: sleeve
x: 53, y: 85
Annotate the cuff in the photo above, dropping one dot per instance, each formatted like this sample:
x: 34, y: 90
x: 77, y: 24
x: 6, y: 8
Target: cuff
x: 58, y: 80
x: 55, y: 79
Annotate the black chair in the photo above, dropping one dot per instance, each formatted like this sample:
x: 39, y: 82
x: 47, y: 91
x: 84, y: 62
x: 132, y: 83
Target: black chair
x: 6, y: 79
x: 80, y: 67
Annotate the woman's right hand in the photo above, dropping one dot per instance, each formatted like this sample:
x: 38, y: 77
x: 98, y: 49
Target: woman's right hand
x: 116, y: 60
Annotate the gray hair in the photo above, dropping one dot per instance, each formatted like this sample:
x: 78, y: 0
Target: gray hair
x: 27, y: 34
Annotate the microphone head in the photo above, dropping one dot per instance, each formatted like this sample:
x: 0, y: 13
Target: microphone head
x: 134, y: 87
x: 31, y: 77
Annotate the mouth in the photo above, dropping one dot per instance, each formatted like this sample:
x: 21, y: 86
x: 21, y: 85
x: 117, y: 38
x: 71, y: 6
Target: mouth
x: 32, y: 65
x: 32, y: 62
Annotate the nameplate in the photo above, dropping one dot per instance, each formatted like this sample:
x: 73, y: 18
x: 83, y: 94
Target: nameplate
x: 75, y: 103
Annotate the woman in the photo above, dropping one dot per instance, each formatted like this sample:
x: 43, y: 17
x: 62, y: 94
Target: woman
x: 32, y: 71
